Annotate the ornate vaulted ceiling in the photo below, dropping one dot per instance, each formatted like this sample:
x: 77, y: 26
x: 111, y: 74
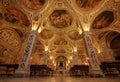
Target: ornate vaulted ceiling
x: 62, y: 24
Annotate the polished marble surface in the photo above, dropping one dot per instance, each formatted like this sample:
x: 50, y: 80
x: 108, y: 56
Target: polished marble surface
x: 59, y: 79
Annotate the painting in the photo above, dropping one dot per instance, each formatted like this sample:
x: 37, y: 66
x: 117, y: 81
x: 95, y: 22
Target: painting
x: 87, y: 4
x: 103, y: 20
x: 34, y: 4
x: 60, y: 51
x: 46, y: 34
x: 60, y: 41
x: 74, y: 35
x: 15, y: 16
x: 60, y: 18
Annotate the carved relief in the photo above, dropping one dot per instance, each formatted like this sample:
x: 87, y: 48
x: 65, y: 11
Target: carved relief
x: 87, y: 4
x: 103, y: 20
x: 60, y: 19
x: 74, y: 35
x: 60, y: 41
x: 9, y: 37
x: 3, y: 51
x: 52, y: 48
x: 15, y: 16
x: 46, y: 34
x: 33, y: 4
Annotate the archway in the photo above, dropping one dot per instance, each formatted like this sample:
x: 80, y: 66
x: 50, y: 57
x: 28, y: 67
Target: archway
x: 61, y: 64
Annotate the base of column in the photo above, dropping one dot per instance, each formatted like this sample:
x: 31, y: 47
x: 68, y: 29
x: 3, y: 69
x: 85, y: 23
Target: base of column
x: 95, y: 73
x: 21, y: 73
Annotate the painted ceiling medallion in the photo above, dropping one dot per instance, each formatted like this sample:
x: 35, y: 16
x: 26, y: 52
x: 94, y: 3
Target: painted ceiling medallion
x: 46, y: 34
x: 74, y: 35
x: 52, y: 48
x: 15, y: 16
x: 10, y: 37
x: 61, y: 51
x: 33, y: 4
x: 60, y: 41
x: 60, y: 19
x: 103, y: 20
x: 87, y: 4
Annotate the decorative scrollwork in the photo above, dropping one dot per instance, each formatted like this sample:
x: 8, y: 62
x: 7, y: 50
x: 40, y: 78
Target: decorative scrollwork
x: 9, y: 37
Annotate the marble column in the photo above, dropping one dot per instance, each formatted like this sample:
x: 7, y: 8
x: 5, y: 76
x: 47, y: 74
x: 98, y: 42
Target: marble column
x: 94, y: 69
x: 75, y: 54
x: 22, y: 70
x: 45, y: 57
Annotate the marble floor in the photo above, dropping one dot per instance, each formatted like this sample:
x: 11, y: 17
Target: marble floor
x: 58, y: 79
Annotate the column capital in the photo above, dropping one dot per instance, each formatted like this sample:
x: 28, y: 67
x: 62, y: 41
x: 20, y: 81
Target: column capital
x: 75, y: 52
x: 86, y: 32
x: 34, y: 31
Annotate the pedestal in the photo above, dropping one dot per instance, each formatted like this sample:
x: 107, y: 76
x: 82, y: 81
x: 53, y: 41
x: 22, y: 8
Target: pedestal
x: 96, y: 73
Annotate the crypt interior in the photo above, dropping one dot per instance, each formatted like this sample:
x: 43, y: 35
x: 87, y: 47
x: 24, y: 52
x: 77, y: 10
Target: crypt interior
x: 52, y: 37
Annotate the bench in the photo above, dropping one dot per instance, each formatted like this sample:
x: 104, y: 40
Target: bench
x: 40, y: 70
x: 8, y: 69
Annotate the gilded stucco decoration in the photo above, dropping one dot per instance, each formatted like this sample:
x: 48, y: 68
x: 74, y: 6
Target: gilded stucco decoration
x: 103, y: 20
x: 87, y: 4
x: 46, y: 34
x: 3, y: 52
x: 10, y: 37
x: 33, y: 4
x: 60, y: 19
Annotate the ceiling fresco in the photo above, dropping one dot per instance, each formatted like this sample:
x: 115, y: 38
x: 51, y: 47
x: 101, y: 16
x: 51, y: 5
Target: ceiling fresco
x: 61, y: 51
x: 46, y: 34
x: 60, y: 41
x: 33, y: 4
x: 87, y: 4
x: 15, y: 16
x: 103, y: 20
x: 60, y: 19
x: 74, y: 35
x: 60, y: 22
